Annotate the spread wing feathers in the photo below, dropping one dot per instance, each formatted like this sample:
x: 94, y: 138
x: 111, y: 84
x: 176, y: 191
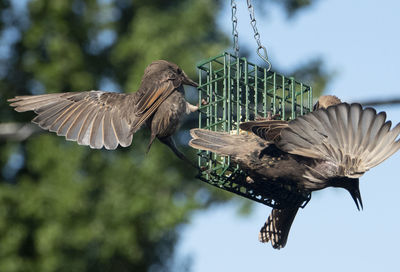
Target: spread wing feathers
x: 223, y: 143
x: 277, y: 227
x: 353, y: 138
x: 94, y: 118
x: 150, y: 99
x: 269, y: 130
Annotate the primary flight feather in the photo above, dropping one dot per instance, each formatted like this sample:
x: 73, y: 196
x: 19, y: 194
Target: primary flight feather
x: 330, y: 147
x: 105, y: 119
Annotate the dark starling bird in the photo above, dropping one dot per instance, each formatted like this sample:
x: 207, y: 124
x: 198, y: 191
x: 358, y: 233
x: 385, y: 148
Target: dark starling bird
x: 332, y: 146
x: 98, y: 118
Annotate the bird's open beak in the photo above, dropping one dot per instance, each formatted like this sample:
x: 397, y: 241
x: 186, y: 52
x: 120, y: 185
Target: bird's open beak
x: 355, y: 194
x: 188, y: 81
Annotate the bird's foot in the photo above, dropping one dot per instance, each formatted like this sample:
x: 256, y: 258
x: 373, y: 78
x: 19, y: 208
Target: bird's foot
x: 249, y: 180
x: 193, y: 108
x: 269, y: 117
x: 203, y: 102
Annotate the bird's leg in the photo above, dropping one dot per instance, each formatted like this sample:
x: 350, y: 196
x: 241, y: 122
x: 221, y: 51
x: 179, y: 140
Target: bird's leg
x: 192, y: 108
x: 249, y: 180
x: 171, y: 144
x: 152, y: 137
x: 269, y: 117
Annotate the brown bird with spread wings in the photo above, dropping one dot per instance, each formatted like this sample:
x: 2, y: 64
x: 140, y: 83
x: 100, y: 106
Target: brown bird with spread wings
x: 98, y: 118
x: 332, y: 146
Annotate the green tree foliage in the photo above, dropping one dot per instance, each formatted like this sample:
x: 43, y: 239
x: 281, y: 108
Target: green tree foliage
x: 293, y: 6
x: 64, y: 207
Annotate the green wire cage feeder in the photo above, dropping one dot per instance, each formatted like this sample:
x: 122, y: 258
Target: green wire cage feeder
x: 239, y: 91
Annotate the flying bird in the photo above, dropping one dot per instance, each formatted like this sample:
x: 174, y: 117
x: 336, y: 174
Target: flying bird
x: 107, y: 119
x: 333, y: 146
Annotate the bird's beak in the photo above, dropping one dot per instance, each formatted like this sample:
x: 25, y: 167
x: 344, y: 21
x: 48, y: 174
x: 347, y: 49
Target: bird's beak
x: 355, y: 194
x: 188, y: 81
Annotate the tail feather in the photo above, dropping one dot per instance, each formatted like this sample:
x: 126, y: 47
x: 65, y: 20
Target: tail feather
x: 210, y: 136
x: 356, y: 139
x: 204, y: 145
x: 276, y: 228
x: 213, y: 141
x: 224, y: 143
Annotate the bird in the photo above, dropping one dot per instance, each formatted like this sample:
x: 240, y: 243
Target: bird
x: 332, y: 146
x: 107, y: 119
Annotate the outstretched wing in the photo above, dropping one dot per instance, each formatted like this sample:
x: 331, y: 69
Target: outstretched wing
x: 94, y: 118
x: 269, y: 130
x: 353, y: 138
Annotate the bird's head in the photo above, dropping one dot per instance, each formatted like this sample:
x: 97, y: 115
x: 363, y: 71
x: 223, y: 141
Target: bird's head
x: 325, y: 101
x: 162, y: 68
x: 352, y: 185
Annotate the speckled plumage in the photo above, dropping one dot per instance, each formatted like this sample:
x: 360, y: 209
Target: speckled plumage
x: 330, y: 147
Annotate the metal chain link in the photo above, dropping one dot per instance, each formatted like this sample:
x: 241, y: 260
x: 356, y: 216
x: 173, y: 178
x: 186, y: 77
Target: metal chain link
x: 253, y: 23
x: 234, y: 29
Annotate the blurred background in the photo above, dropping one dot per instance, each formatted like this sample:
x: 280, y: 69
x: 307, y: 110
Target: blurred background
x: 64, y: 207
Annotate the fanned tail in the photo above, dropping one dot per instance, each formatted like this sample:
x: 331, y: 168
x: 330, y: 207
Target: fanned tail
x: 223, y: 143
x: 276, y: 228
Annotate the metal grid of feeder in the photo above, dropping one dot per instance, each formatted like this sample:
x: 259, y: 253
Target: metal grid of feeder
x: 238, y: 91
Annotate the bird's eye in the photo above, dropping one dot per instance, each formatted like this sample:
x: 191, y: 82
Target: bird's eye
x: 179, y: 71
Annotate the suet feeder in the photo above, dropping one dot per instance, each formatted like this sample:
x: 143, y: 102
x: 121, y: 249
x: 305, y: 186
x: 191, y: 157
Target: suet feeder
x: 239, y: 91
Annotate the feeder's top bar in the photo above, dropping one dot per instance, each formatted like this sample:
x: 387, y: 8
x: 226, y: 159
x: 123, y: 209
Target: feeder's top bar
x: 229, y: 55
x: 204, y: 62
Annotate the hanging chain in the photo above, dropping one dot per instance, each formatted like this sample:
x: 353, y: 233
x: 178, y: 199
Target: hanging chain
x: 234, y: 29
x: 253, y: 22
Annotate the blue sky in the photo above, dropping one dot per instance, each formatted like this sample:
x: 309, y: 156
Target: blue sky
x: 359, y: 41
